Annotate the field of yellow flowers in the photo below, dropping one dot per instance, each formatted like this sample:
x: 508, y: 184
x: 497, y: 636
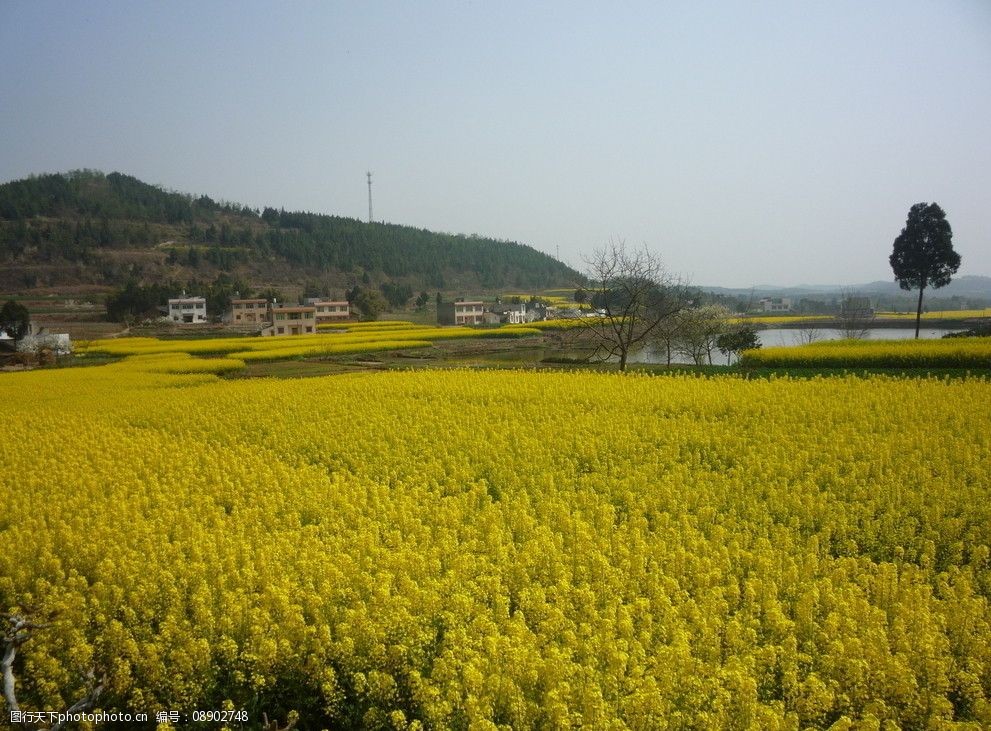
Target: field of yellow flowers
x: 362, y: 337
x: 943, y: 353
x: 497, y: 549
x: 880, y: 316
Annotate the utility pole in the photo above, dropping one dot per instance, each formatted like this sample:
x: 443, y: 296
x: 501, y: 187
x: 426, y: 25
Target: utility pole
x: 369, y: 196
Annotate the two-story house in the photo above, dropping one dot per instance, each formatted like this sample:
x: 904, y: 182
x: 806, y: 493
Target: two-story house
x: 187, y: 309
x: 292, y: 321
x: 328, y: 311
x: 249, y: 311
x: 460, y: 313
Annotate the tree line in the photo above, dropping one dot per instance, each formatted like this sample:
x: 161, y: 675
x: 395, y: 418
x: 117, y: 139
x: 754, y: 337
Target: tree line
x: 71, y: 216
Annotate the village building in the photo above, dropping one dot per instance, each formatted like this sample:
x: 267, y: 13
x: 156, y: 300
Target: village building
x: 776, y: 304
x: 514, y: 313
x: 329, y: 311
x: 460, y: 313
x: 249, y: 311
x: 291, y: 321
x: 187, y: 309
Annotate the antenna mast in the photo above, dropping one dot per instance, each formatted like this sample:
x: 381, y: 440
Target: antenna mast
x: 369, y: 196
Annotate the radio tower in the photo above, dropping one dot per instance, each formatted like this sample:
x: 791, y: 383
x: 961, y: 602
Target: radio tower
x: 369, y: 196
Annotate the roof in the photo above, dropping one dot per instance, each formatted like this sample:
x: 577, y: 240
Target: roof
x: 328, y: 302
x: 249, y: 302
x: 294, y: 309
x: 187, y: 300
x: 510, y: 307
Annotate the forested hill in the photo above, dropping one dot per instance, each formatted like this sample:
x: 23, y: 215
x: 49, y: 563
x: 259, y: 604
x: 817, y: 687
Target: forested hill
x: 85, y: 227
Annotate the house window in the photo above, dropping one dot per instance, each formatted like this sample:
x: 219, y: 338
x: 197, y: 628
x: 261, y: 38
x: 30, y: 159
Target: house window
x: 281, y: 330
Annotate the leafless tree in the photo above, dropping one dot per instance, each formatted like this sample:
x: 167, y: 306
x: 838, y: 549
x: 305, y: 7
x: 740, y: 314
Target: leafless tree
x: 637, y: 295
x: 665, y: 337
x: 856, y: 315
x: 806, y: 335
x: 698, y: 330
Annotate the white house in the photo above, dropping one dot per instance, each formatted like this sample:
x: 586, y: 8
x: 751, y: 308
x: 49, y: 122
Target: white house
x: 187, y: 309
x: 460, y: 313
x: 328, y: 311
x: 776, y: 304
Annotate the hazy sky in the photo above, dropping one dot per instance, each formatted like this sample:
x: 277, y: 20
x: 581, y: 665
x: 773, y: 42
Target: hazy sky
x: 745, y: 142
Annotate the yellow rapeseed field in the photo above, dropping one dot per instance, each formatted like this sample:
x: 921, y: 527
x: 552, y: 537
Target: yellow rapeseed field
x: 793, y: 319
x: 935, y: 314
x: 346, y: 338
x: 778, y: 319
x: 493, y: 549
x: 942, y: 353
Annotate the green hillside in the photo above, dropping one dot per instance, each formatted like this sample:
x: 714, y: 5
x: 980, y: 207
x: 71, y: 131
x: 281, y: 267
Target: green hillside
x: 88, y: 228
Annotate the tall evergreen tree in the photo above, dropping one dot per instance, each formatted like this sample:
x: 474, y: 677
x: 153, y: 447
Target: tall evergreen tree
x: 923, y: 254
x: 15, y: 320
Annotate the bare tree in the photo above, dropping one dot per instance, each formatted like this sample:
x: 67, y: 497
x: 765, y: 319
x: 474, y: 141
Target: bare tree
x: 806, y: 335
x: 856, y: 315
x: 637, y: 295
x: 665, y: 337
x: 698, y: 331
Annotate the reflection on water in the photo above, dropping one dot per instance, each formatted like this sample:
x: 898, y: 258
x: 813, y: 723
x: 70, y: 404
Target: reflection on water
x: 793, y: 336
x: 776, y: 337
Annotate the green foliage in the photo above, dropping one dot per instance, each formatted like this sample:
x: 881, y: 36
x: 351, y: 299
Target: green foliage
x: 89, y: 193
x: 93, y: 210
x: 134, y: 301
x: 397, y: 295
x: 14, y: 319
x: 740, y: 339
x: 271, y: 294
x: 923, y: 254
x: 369, y: 303
x: 312, y: 289
x: 220, y: 293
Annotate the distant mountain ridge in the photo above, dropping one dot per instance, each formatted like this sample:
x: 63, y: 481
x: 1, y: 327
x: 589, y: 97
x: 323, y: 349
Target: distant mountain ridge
x: 966, y: 286
x: 87, y: 227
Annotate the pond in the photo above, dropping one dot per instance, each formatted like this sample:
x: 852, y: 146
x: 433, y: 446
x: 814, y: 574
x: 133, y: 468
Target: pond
x: 775, y: 337
x: 528, y: 356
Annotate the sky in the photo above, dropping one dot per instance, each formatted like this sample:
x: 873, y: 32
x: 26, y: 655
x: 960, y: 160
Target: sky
x: 744, y: 143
